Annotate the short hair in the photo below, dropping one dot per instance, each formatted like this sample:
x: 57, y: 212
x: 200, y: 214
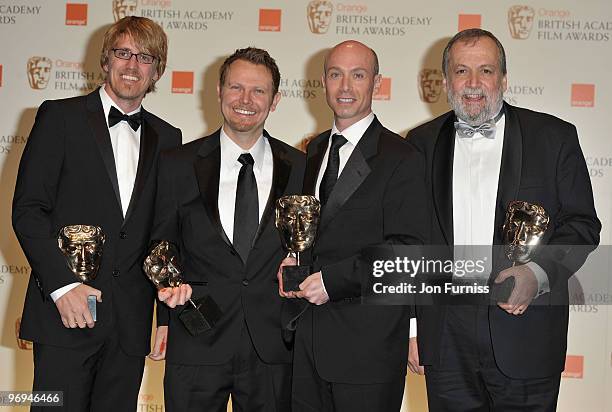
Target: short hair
x: 148, y: 36
x: 473, y: 35
x: 375, y: 67
x: 255, y: 56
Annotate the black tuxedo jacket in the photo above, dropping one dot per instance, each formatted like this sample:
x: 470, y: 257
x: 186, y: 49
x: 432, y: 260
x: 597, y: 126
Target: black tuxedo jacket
x: 188, y: 215
x: 67, y: 176
x: 542, y: 163
x: 378, y: 199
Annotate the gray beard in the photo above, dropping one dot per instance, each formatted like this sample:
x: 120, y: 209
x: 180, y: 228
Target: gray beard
x: 488, y: 112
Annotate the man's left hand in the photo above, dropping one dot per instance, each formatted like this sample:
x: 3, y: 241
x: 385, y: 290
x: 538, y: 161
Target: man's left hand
x: 524, y: 291
x: 312, y: 290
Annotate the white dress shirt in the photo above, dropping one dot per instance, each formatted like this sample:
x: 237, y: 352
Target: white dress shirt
x: 353, y: 135
x: 228, y: 177
x: 126, y: 149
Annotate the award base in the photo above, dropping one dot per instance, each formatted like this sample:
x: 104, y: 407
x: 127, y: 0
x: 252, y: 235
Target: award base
x: 293, y: 276
x: 500, y: 292
x: 200, y: 316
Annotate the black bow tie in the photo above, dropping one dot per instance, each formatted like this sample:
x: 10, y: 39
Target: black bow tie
x: 115, y: 116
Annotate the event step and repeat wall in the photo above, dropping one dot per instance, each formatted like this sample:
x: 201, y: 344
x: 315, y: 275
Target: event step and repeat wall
x: 559, y: 59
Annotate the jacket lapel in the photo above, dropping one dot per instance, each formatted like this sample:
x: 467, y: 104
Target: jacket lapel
x: 354, y: 172
x: 148, y: 146
x: 97, y: 122
x: 207, y: 168
x: 316, y: 152
x: 510, y: 170
x: 280, y: 177
x: 442, y: 178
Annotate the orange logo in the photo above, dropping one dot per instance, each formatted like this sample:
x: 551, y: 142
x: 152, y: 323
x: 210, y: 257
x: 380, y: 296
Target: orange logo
x: 520, y: 21
x: 39, y: 72
x: 182, y: 82
x: 574, y: 367
x: 384, y: 92
x: 21, y: 343
x: 0, y: 75
x: 319, y: 15
x: 430, y: 85
x: 583, y: 95
x: 469, y: 21
x: 123, y: 8
x: 269, y: 19
x: 76, y: 14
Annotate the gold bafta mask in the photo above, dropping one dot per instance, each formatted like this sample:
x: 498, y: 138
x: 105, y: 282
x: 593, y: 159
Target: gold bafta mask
x: 319, y: 15
x: 430, y: 85
x: 523, y: 230
x: 297, y: 219
x: 82, y: 247
x: 161, y: 266
x: 39, y: 72
x: 124, y: 8
x: 520, y: 21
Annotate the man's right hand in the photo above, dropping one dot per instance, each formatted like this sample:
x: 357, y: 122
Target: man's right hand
x: 413, y: 357
x: 73, y: 307
x: 175, y: 296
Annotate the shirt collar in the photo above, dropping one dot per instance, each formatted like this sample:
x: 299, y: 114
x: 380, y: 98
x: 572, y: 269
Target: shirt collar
x: 354, y: 132
x: 230, y: 152
x: 107, y: 102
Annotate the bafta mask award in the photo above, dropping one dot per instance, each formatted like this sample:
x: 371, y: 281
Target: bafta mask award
x: 523, y: 231
x: 297, y: 219
x: 82, y: 247
x: 162, y: 268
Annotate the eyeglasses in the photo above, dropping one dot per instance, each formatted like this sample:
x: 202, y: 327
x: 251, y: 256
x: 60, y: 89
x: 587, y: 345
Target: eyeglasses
x: 140, y: 57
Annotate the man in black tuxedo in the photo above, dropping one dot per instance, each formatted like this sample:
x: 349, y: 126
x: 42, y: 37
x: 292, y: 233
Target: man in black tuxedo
x: 348, y: 356
x: 480, y: 156
x: 92, y: 160
x: 216, y: 202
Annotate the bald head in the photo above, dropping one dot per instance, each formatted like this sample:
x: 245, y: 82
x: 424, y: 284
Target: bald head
x: 353, y: 46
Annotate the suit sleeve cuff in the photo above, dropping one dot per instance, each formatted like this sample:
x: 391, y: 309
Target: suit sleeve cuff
x: 58, y: 293
x: 413, y: 328
x: 541, y: 277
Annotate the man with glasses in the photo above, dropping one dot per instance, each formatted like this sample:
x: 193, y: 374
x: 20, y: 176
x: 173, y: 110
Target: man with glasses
x: 92, y: 160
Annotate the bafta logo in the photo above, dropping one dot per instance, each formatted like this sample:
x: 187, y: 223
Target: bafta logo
x: 39, y: 72
x: 124, y: 8
x: 319, y: 15
x: 520, y: 21
x: 430, y: 85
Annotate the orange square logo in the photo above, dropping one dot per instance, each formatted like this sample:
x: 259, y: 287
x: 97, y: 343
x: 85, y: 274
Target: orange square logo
x: 269, y: 20
x: 182, y: 82
x: 384, y: 93
x: 76, y: 14
x: 469, y: 21
x: 583, y: 95
x: 574, y: 367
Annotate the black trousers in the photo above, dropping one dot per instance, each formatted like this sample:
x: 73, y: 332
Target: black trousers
x: 468, y: 378
x: 311, y: 393
x: 254, y: 385
x: 96, y: 378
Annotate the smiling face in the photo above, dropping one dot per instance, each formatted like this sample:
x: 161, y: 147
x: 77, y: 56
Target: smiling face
x: 475, y: 83
x: 127, y: 81
x: 350, y: 81
x: 246, y: 98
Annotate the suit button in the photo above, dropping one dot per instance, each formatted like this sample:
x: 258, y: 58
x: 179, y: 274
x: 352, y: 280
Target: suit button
x: 116, y: 273
x: 245, y: 282
x: 123, y: 235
